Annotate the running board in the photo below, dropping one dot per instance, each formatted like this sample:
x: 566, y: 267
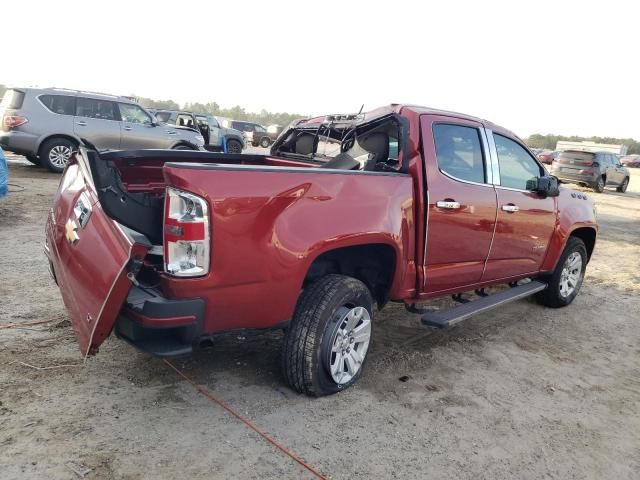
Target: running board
x: 448, y: 318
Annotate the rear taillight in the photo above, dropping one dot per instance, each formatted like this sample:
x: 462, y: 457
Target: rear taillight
x: 186, y: 234
x: 13, y: 121
x: 586, y: 172
x: 587, y: 163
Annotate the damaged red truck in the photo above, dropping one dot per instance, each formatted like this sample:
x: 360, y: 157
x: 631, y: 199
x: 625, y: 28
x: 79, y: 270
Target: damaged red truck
x: 347, y: 212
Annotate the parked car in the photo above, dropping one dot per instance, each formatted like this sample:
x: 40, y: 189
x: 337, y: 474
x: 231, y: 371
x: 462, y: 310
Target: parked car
x: 254, y: 133
x: 407, y: 205
x: 220, y: 138
x: 632, y: 161
x: 593, y: 169
x: 547, y: 156
x: 47, y: 125
x: 4, y: 175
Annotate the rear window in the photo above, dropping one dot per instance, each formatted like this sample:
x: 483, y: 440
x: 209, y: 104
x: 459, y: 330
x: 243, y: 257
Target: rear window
x: 12, y: 99
x: 577, y: 155
x: 60, y: 104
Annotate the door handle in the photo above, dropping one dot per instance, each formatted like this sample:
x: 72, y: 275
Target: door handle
x: 448, y: 204
x: 171, y: 132
x: 127, y: 128
x: 81, y: 123
x: 510, y: 208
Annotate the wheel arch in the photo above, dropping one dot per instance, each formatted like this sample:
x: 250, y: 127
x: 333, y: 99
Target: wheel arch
x: 45, y: 139
x: 374, y: 264
x: 588, y: 236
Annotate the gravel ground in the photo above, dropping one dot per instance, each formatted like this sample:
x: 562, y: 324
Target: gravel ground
x: 521, y: 392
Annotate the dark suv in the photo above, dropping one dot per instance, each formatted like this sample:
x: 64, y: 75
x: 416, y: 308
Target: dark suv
x: 593, y: 169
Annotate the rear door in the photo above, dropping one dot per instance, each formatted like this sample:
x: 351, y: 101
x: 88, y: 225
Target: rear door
x: 98, y: 122
x: 525, y: 220
x: 461, y: 203
x: 90, y: 254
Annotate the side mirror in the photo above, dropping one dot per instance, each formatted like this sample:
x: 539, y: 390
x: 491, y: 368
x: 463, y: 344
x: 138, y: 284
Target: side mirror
x: 546, y: 186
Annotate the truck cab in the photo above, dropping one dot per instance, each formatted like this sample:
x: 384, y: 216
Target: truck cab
x: 346, y: 212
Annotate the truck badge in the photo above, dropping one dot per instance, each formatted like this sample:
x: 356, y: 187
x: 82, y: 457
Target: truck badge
x: 71, y: 232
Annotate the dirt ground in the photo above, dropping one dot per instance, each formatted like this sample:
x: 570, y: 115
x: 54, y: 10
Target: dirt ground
x: 521, y: 392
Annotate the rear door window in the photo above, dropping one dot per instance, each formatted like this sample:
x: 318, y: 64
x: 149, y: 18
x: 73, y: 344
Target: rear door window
x: 516, y: 165
x: 60, y: 104
x: 94, y: 108
x: 459, y: 152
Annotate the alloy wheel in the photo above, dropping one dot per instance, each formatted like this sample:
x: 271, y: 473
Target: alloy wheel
x: 349, y: 344
x: 570, y: 277
x: 59, y: 155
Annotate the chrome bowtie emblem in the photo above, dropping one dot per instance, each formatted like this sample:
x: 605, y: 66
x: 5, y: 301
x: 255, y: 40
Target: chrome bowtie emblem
x: 71, y: 232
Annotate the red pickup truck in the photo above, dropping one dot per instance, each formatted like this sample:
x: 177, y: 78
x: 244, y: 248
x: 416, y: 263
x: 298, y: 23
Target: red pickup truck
x: 402, y: 204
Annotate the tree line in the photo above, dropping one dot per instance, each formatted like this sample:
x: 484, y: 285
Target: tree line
x: 212, y: 108
x: 549, y: 141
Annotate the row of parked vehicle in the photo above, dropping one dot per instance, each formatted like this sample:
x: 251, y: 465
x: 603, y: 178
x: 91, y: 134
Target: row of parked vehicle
x: 46, y: 125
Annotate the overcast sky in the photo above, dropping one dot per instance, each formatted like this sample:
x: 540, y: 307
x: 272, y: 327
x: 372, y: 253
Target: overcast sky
x: 532, y: 66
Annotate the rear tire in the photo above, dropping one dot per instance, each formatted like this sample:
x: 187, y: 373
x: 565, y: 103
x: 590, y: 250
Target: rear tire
x: 33, y: 159
x: 182, y: 147
x: 234, y: 146
x: 623, y: 186
x: 564, y: 283
x: 55, y: 153
x: 599, y: 186
x: 265, y: 142
x: 326, y: 345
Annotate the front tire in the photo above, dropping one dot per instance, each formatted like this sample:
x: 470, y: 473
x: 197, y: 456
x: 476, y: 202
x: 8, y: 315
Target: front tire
x: 265, y: 142
x: 623, y: 186
x: 326, y: 345
x: 182, y: 147
x: 55, y: 153
x: 564, y: 283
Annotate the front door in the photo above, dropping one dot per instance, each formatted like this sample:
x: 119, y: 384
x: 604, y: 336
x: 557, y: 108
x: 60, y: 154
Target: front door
x: 97, y: 121
x: 138, y: 129
x: 525, y: 220
x: 461, y: 208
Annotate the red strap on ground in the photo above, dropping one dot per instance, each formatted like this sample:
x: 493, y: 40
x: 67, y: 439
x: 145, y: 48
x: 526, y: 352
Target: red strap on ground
x: 247, y: 422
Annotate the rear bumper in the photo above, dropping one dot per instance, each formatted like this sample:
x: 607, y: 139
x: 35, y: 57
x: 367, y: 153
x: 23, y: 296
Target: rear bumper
x: 20, y: 143
x: 574, y: 177
x: 159, y: 326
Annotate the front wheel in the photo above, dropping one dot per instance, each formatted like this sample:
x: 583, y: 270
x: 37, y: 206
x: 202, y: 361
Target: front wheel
x: 623, y: 186
x: 265, y: 142
x: 326, y: 345
x: 564, y: 283
x: 182, y: 147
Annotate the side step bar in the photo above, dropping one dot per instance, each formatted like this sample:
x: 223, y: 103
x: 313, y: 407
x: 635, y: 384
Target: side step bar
x: 448, y: 318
